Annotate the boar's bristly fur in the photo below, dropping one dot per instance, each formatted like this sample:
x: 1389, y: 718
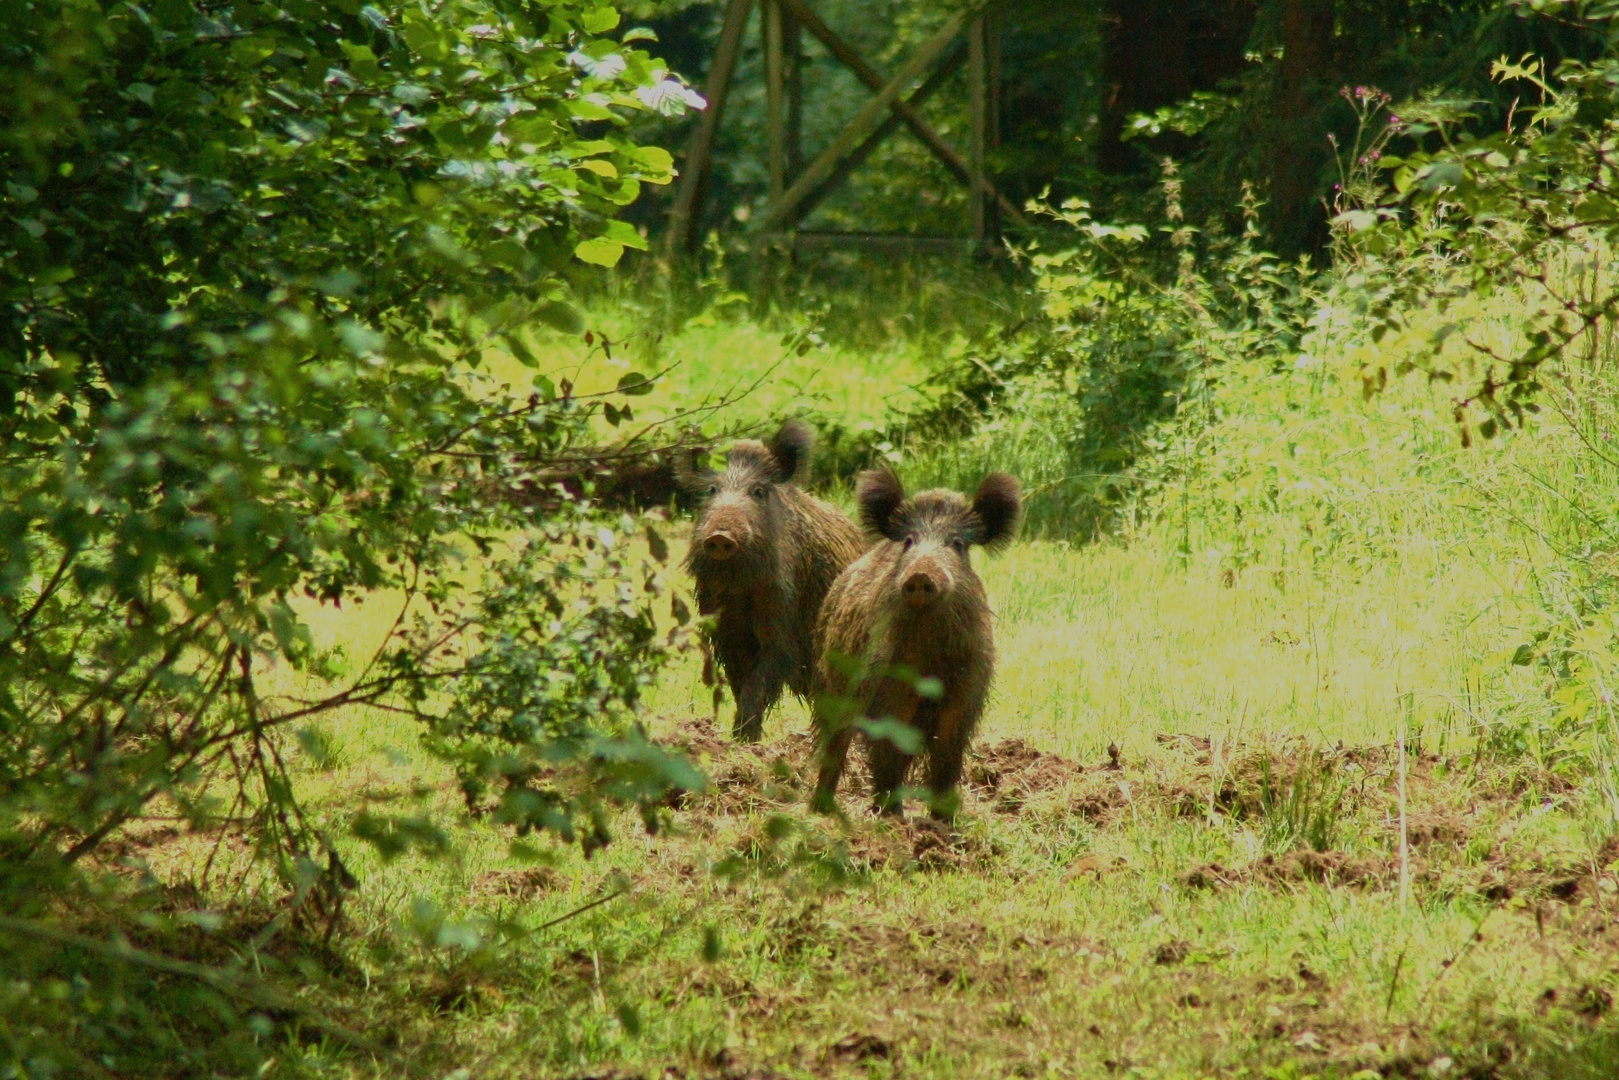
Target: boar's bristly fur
x: 763, y: 555
x: 910, y: 609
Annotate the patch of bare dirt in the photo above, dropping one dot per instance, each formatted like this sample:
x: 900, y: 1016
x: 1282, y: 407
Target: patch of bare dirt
x: 1452, y: 816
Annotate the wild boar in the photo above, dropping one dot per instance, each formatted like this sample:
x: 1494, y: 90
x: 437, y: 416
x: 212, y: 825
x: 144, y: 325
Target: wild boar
x: 912, y: 612
x: 763, y: 555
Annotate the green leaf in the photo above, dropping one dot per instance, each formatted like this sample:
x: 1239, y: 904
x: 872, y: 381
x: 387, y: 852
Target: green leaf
x: 599, y: 251
x: 252, y: 51
x: 622, y: 232
x: 906, y: 739
x: 712, y: 949
x: 655, y: 159
x: 599, y: 20
x: 586, y: 109
x: 560, y: 316
x: 634, y: 384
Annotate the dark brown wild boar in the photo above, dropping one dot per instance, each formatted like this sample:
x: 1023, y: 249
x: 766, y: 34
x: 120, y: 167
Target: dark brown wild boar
x: 911, y: 605
x: 764, y: 553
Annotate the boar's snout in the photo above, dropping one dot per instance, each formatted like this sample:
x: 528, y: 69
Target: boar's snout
x: 725, y: 532
x: 720, y: 545
x: 924, y: 584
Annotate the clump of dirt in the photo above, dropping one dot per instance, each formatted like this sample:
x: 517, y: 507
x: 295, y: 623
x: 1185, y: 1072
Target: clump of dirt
x: 1102, y: 800
x: 1011, y: 772
x: 720, y: 1066
x: 853, y: 1049
x: 513, y: 884
x: 1172, y: 952
x: 915, y: 843
x: 745, y: 778
x: 1293, y: 867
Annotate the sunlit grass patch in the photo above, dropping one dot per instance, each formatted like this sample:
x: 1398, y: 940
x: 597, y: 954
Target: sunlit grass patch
x: 760, y: 372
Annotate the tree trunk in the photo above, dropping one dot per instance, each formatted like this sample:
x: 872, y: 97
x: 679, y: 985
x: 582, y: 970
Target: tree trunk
x: 1307, y: 30
x: 1157, y: 52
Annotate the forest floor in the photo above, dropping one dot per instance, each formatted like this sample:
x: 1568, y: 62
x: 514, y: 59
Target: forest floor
x: 1180, y: 853
x: 1180, y: 856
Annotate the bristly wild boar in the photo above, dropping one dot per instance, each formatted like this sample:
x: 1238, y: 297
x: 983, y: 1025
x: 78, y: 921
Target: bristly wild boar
x: 912, y: 605
x: 764, y: 553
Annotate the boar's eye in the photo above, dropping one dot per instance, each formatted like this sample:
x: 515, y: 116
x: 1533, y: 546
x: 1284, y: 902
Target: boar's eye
x: 960, y: 546
x: 713, y: 489
x: 759, y: 492
x: 909, y: 542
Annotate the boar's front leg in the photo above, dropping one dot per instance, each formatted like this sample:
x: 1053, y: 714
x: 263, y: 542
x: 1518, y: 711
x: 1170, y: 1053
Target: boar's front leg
x: 889, y: 763
x: 946, y: 750
x: 739, y: 656
x: 760, y: 689
x: 834, y: 748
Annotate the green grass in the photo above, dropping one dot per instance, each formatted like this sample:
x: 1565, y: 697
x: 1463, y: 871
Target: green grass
x: 1161, y: 918
x: 759, y: 372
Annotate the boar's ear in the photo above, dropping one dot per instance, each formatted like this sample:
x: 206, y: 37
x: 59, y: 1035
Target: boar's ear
x: 791, y: 449
x: 998, y: 504
x: 691, y: 469
x: 879, y: 494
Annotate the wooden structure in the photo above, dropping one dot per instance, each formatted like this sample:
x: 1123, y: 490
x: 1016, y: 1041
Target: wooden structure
x: 969, y: 37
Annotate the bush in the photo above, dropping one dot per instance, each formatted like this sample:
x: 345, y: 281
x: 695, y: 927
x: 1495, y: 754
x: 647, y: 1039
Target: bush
x: 253, y: 256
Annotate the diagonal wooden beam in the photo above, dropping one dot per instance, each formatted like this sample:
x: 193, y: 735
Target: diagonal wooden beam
x: 858, y: 156
x: 906, y: 111
x: 694, y: 170
x: 867, y: 118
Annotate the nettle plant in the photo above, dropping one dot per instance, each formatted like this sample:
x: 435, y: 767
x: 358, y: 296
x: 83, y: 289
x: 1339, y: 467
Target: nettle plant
x: 252, y: 256
x: 1524, y: 208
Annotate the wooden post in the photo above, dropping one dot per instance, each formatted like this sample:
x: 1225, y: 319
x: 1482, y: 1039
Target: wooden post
x: 793, y: 48
x: 686, y: 217
x: 857, y: 158
x: 864, y: 121
x: 979, y: 201
x: 775, y: 103
x: 903, y: 109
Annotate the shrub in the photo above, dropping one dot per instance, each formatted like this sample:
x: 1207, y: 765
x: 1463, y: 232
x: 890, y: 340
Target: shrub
x: 251, y: 259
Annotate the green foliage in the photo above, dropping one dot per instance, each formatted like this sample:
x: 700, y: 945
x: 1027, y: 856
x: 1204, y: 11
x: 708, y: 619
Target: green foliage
x: 1526, y: 211
x: 1135, y: 328
x: 252, y: 256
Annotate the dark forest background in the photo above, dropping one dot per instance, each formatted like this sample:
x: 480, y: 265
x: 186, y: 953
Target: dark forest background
x: 1095, y: 95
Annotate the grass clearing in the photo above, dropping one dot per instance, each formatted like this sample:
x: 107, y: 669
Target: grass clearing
x: 1163, y: 912
x: 1180, y: 853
